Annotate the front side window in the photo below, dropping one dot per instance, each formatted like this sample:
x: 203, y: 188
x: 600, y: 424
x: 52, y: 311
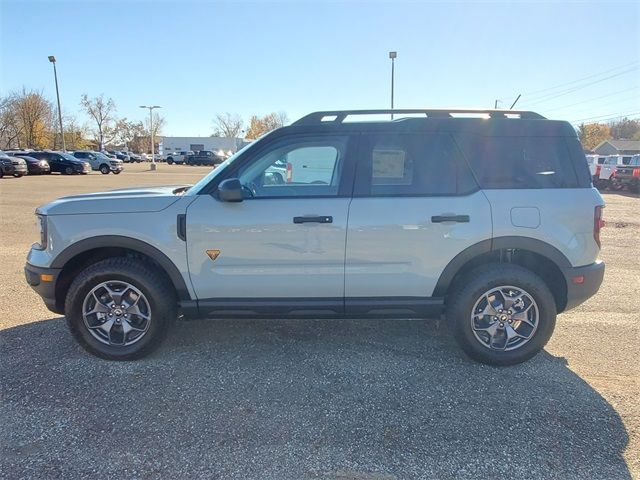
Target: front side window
x: 296, y: 168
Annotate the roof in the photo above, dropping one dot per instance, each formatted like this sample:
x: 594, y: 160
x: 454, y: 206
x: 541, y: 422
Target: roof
x: 622, y: 144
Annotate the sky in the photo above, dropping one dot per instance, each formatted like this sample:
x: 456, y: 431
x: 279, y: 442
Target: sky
x: 576, y: 61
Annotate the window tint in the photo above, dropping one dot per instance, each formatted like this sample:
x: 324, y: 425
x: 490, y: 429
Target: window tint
x: 310, y: 167
x: 520, y: 162
x: 410, y: 164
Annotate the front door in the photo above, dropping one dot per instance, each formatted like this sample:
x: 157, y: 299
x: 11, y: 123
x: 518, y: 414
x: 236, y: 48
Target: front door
x: 281, y: 250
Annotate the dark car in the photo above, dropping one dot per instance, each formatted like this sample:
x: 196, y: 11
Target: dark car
x: 204, y: 157
x: 34, y: 166
x: 133, y: 157
x: 19, y: 165
x: 6, y: 166
x: 124, y: 156
x: 61, y: 162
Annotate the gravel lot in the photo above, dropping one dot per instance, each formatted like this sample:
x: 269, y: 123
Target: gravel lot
x: 331, y: 399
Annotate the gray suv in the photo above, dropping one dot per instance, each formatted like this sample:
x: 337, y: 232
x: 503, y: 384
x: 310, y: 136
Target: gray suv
x: 486, y: 217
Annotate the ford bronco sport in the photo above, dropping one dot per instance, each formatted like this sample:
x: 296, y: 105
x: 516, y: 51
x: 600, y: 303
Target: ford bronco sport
x: 488, y: 217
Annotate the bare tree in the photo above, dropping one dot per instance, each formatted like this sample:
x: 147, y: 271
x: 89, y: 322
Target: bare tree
x: 10, y: 128
x: 102, y: 113
x: 227, y: 125
x: 125, y: 131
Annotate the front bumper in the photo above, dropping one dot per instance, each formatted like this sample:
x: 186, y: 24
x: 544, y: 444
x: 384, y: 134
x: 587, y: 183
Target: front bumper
x: 582, y: 282
x: 43, y: 281
x: 7, y: 169
x: 116, y: 168
x: 20, y: 170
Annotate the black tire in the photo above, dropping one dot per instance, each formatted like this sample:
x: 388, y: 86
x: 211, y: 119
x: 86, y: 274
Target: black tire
x: 104, y: 169
x: 157, y: 289
x: 169, y: 161
x: 68, y: 171
x: 18, y: 175
x: 116, y: 172
x: 465, y: 293
x: 1, y: 173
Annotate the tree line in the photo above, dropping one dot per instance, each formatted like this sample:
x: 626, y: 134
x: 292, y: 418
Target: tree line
x: 231, y: 125
x: 592, y: 134
x: 29, y: 120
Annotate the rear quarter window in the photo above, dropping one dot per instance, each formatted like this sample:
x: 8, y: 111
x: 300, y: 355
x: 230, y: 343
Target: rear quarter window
x: 523, y: 162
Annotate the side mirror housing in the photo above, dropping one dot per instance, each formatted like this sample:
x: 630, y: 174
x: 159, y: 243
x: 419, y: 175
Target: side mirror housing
x: 230, y: 190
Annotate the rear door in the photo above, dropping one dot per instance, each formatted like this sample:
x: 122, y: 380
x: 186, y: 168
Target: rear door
x: 415, y: 207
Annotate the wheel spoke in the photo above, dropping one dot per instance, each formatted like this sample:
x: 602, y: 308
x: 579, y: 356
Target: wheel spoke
x: 135, y: 310
x: 511, y: 333
x: 511, y: 301
x: 105, y: 327
x: 127, y: 327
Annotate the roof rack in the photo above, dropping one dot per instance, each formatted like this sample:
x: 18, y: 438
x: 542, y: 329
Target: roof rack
x: 338, y: 116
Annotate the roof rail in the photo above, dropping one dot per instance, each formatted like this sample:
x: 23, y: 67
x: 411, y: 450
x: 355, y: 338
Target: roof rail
x: 338, y: 116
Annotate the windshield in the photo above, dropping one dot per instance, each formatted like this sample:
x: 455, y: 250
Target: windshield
x: 66, y: 156
x: 211, y: 175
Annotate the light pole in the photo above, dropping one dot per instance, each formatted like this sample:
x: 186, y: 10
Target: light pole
x: 52, y: 59
x: 392, y: 56
x: 153, y: 155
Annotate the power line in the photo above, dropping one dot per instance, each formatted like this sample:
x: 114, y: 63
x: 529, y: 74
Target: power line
x: 583, y: 78
x: 591, y: 99
x: 546, y: 98
x: 601, y: 117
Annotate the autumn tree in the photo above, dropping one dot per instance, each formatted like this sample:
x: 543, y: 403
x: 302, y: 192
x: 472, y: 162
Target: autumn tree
x: 592, y: 134
x: 126, y: 132
x: 227, y: 125
x: 10, y: 128
x: 258, y: 126
x: 102, y: 112
x: 625, y: 129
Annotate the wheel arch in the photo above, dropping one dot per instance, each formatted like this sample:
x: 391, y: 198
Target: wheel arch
x: 540, y: 257
x: 81, y: 254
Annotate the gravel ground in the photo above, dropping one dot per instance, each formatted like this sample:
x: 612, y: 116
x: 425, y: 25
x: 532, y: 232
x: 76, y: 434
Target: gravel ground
x: 330, y: 399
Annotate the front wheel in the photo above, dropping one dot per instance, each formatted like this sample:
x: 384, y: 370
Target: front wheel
x: 120, y: 308
x: 169, y: 161
x: 116, y: 172
x: 104, y: 169
x: 501, y: 314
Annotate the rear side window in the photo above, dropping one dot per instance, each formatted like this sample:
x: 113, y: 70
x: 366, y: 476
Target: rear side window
x: 412, y: 165
x: 520, y: 162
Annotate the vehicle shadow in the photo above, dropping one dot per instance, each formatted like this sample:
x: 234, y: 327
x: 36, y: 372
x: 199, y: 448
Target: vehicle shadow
x: 288, y: 399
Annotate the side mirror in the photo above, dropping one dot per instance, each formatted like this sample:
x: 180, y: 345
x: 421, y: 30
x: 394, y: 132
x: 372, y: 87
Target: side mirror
x: 230, y: 190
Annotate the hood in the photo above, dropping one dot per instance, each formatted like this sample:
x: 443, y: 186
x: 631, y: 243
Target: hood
x: 128, y: 200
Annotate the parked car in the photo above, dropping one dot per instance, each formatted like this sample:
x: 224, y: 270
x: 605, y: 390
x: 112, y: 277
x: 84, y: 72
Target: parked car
x: 6, y: 166
x: 124, y: 156
x: 34, y: 166
x: 178, y: 158
x: 133, y: 157
x: 491, y: 220
x: 628, y: 175
x: 204, y: 157
x: 19, y: 165
x: 62, y: 162
x: 100, y: 162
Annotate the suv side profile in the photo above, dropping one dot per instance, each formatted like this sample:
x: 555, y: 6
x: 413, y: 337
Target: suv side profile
x: 491, y: 221
x: 178, y: 157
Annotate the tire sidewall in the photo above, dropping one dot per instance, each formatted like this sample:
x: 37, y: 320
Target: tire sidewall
x: 483, y: 280
x: 160, y: 313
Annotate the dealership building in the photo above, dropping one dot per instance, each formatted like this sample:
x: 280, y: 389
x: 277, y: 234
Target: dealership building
x: 215, y: 144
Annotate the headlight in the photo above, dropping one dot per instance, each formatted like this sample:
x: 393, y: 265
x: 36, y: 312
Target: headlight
x: 42, y: 163
x: 42, y: 225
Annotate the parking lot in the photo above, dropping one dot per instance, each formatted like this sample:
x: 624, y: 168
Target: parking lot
x: 330, y: 399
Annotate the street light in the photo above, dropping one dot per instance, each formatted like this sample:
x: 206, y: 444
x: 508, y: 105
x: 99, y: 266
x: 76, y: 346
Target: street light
x: 392, y: 56
x: 52, y: 59
x: 153, y: 155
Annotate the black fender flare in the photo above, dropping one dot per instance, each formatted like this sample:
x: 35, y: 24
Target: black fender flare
x: 129, y: 243
x: 492, y: 245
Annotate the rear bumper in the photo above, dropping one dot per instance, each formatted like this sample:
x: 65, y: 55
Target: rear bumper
x: 43, y: 281
x: 582, y: 282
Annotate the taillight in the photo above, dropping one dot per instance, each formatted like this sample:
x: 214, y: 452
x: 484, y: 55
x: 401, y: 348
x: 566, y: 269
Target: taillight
x: 598, y: 223
x: 598, y: 168
x: 636, y: 172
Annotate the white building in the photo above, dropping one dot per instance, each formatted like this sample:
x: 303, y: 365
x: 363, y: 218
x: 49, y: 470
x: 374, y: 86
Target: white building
x: 215, y: 144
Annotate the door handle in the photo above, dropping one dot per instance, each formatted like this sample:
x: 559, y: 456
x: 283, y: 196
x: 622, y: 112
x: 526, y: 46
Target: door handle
x: 450, y: 218
x: 318, y: 219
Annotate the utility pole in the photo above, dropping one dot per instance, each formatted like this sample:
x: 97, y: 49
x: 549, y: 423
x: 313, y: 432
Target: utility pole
x: 52, y: 59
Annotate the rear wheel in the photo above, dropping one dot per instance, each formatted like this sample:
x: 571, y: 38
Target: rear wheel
x: 68, y: 171
x: 170, y: 161
x: 501, y: 314
x: 104, y: 169
x: 120, y: 308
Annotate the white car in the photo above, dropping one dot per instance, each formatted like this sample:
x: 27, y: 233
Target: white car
x: 100, y: 162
